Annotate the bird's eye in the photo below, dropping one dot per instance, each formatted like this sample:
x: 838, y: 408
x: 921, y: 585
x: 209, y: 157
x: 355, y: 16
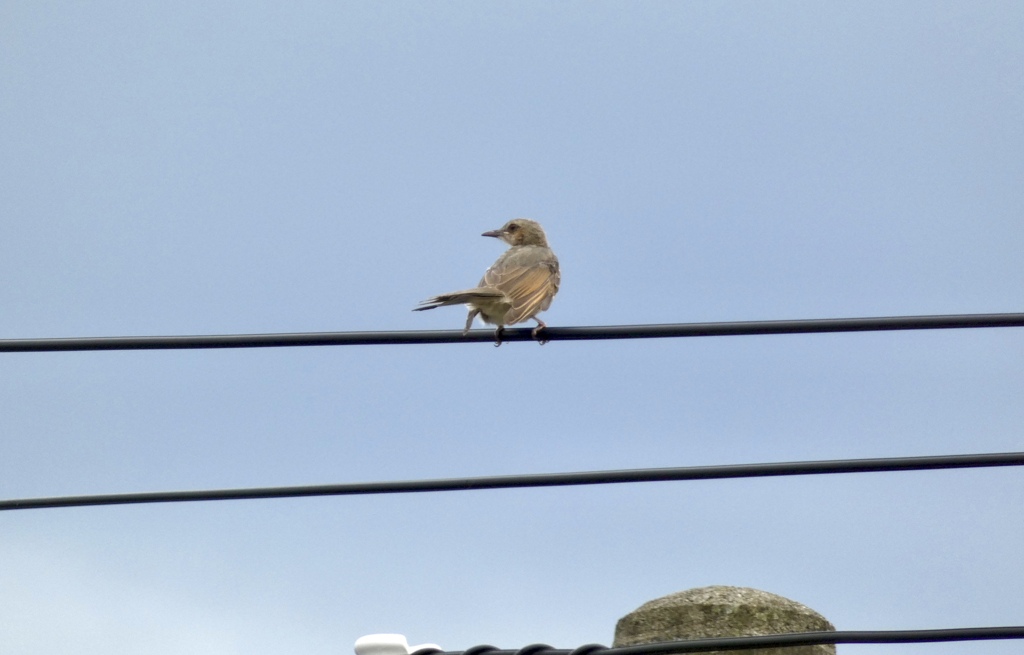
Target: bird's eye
x: 513, y: 227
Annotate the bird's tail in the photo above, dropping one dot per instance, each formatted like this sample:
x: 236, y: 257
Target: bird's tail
x: 459, y: 298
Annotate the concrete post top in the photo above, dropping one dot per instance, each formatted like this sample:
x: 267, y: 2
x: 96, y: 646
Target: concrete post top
x: 721, y: 611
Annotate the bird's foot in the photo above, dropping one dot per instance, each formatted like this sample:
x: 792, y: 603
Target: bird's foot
x: 536, y: 332
x: 497, y: 335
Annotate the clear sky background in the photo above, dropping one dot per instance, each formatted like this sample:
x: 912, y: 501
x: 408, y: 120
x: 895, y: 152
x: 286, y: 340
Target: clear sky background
x: 225, y: 167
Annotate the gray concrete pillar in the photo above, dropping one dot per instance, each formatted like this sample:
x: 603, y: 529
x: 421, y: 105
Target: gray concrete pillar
x: 717, y: 611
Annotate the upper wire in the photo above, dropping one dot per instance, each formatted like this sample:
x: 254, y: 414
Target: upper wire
x: 733, y: 328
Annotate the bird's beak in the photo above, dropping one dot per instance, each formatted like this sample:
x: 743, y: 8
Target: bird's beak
x: 493, y: 233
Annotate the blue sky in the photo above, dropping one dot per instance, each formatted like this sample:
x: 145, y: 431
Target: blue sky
x: 226, y: 167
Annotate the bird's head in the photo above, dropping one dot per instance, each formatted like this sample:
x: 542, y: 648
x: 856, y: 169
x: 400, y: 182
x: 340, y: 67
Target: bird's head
x: 520, y: 232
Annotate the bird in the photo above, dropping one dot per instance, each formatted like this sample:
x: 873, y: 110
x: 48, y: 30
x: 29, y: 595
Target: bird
x: 519, y: 284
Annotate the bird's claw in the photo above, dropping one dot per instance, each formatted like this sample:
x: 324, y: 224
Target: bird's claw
x: 536, y: 334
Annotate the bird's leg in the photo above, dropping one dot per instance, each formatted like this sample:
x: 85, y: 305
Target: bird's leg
x: 536, y: 331
x: 497, y: 335
x: 469, y: 321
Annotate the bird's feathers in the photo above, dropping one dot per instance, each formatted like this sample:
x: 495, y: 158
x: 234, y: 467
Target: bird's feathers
x: 517, y: 287
x: 460, y: 298
x: 528, y: 276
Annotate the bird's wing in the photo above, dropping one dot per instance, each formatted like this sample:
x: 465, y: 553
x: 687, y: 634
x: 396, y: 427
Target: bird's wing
x: 529, y: 279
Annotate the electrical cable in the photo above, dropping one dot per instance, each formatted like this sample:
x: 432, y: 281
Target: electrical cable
x: 729, y: 471
x: 736, y: 328
x: 772, y: 641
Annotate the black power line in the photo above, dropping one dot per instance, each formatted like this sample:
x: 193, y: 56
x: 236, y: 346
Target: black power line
x: 737, y: 328
x: 763, y: 641
x: 536, y: 480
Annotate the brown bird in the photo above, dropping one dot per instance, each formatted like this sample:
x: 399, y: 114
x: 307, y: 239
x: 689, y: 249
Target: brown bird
x: 517, y: 287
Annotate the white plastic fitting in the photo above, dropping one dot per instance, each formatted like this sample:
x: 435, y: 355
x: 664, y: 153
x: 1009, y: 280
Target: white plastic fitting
x: 388, y: 644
